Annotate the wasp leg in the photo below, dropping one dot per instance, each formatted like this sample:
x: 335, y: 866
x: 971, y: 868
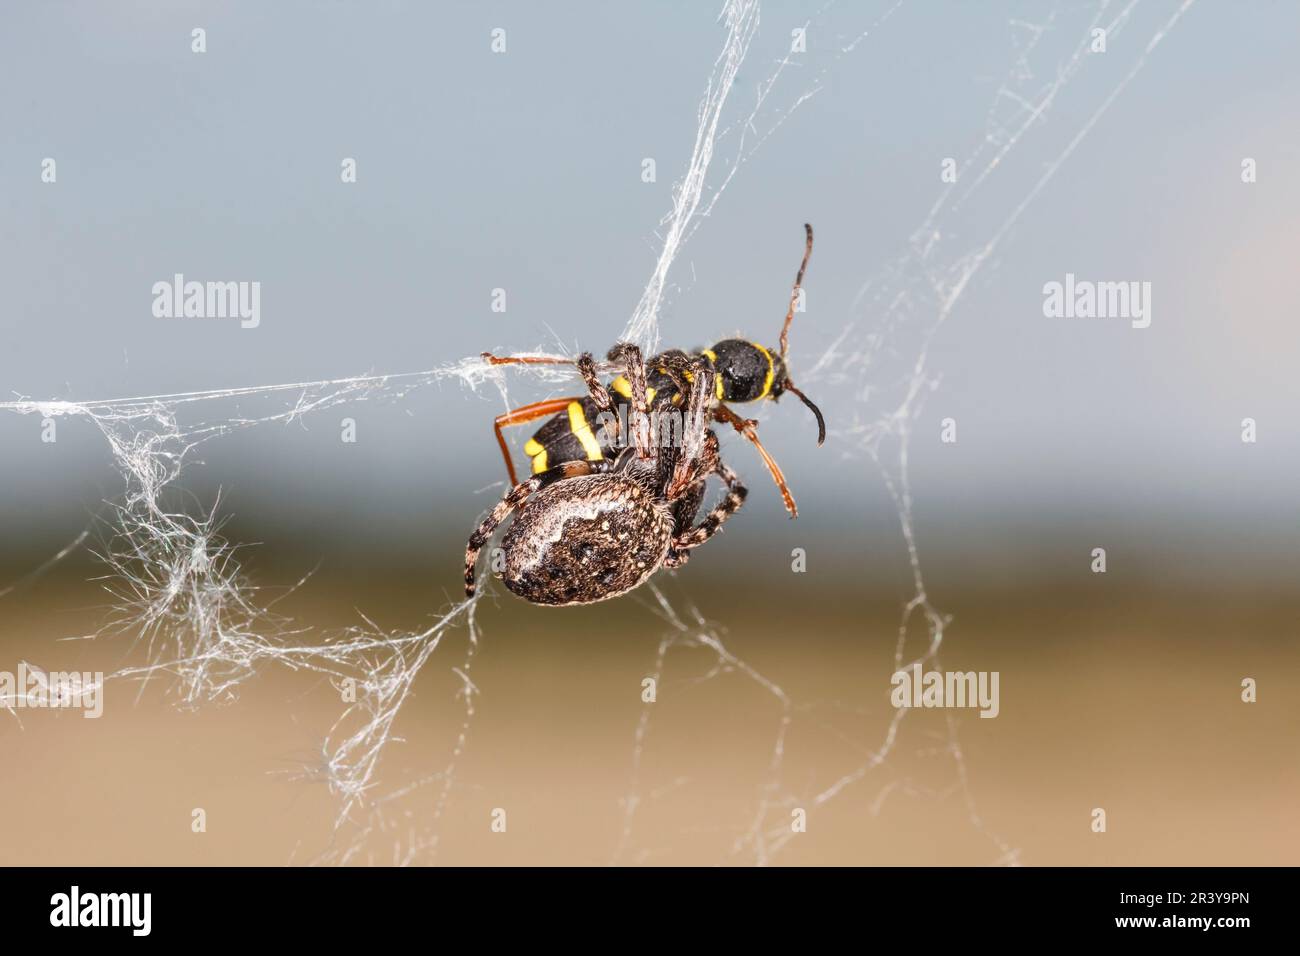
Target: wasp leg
x: 678, y: 366
x: 513, y: 499
x: 521, y: 416
x: 584, y: 363
x: 747, y: 427
x: 526, y: 359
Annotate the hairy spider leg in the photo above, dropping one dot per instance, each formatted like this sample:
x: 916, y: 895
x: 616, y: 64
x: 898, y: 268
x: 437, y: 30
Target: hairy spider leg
x: 692, y: 538
x: 515, y: 497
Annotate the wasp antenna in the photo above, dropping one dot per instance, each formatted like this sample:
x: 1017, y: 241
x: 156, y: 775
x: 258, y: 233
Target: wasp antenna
x: 821, y: 422
x: 794, y: 293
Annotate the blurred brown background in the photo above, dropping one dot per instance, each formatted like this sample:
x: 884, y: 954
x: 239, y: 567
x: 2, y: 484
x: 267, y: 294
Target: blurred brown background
x: 1112, y: 695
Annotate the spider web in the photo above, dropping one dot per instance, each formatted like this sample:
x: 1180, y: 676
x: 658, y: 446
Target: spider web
x: 204, y: 629
x: 883, y: 356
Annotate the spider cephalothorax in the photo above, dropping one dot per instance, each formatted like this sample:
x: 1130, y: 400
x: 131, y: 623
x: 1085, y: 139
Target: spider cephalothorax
x: 585, y: 531
x: 744, y: 371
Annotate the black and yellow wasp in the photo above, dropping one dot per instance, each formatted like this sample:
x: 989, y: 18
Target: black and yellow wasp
x: 744, y: 372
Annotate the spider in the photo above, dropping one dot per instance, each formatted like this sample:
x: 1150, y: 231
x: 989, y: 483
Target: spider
x: 589, y: 530
x: 745, y: 372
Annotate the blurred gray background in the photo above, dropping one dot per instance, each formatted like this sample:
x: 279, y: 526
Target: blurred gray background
x: 522, y: 171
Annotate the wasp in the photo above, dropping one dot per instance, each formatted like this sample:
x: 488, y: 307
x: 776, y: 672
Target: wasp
x: 742, y: 371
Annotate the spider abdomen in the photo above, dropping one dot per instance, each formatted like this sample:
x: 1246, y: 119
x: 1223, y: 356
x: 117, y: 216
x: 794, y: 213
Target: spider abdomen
x: 586, y: 539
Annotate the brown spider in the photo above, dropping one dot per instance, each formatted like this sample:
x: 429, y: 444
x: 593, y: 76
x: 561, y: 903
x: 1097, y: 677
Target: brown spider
x: 585, y: 531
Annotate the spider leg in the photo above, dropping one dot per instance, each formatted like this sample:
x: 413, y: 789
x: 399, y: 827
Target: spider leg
x: 677, y: 365
x: 687, y: 541
x: 629, y: 356
x: 599, y: 393
x: 747, y: 427
x: 515, y: 497
x: 699, y: 453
